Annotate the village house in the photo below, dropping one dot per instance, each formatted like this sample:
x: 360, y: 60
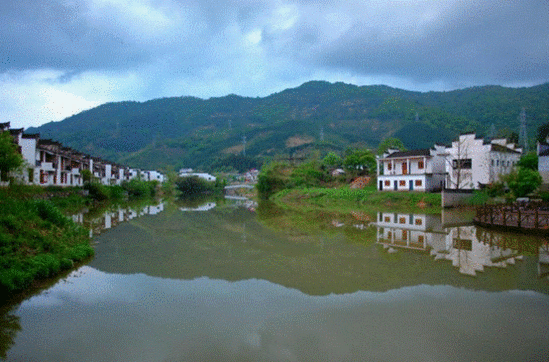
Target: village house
x: 49, y: 163
x: 416, y: 170
x: 204, y: 176
x: 543, y: 162
x: 472, y: 163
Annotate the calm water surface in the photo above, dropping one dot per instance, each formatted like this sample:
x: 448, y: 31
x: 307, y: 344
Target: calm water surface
x: 225, y: 282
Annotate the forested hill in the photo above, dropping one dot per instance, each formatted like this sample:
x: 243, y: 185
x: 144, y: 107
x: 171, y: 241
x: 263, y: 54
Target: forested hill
x: 315, y: 117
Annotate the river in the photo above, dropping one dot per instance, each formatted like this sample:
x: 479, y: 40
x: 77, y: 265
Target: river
x: 231, y: 281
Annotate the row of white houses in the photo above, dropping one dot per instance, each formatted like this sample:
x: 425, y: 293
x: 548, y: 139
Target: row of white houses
x: 49, y: 163
x: 469, y: 163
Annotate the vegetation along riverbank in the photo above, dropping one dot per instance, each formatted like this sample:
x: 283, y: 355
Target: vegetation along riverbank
x: 38, y: 241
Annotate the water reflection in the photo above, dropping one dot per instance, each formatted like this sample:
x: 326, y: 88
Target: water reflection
x: 470, y: 249
x: 225, y: 283
x: 98, y: 221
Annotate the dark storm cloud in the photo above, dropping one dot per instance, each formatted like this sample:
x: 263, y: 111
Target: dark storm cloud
x: 48, y: 34
x: 491, y: 42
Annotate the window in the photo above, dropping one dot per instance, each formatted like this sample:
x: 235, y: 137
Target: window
x: 387, y: 219
x: 420, y: 164
x: 419, y: 222
x: 463, y: 163
x: 389, y: 166
x: 402, y: 220
x: 404, y: 234
x: 387, y: 183
x: 420, y: 238
x: 419, y: 183
x: 402, y: 183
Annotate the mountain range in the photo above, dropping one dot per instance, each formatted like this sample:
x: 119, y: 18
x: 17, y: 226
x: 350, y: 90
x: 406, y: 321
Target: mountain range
x: 310, y: 120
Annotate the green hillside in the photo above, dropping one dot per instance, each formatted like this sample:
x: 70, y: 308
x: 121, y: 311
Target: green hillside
x: 192, y: 132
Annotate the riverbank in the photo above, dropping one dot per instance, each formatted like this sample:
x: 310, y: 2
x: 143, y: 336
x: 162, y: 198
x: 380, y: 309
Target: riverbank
x: 347, y: 199
x: 37, y: 240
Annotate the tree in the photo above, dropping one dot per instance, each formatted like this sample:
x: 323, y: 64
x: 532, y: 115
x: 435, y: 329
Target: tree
x: 272, y: 178
x: 529, y: 161
x: 460, y: 164
x: 359, y: 161
x: 523, y: 181
x: 390, y: 142
x: 10, y: 158
x: 332, y: 160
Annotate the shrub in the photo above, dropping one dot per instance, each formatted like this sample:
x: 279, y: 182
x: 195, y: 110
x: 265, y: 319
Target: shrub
x: 189, y: 186
x: 140, y: 188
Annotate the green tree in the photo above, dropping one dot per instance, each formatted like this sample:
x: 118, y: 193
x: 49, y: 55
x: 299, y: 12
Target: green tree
x: 308, y: 174
x: 10, y: 158
x: 332, y: 160
x: 272, y: 178
x: 390, y: 142
x: 359, y: 161
x: 529, y: 161
x: 523, y: 181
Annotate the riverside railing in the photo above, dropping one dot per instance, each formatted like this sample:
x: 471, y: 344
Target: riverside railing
x: 534, y: 216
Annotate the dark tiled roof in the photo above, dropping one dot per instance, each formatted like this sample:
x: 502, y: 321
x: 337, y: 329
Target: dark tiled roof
x: 543, y: 149
x: 500, y: 148
x: 411, y: 153
x: 33, y: 135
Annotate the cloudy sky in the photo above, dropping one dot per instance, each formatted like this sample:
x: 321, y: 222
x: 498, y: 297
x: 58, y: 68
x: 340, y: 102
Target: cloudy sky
x: 59, y: 57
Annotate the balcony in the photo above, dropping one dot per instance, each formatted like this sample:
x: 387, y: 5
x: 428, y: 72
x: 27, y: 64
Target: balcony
x: 75, y: 171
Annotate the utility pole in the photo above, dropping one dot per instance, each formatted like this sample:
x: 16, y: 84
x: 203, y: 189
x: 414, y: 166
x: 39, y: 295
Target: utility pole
x: 523, y: 134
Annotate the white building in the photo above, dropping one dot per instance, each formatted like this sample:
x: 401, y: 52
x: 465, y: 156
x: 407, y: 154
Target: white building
x: 543, y: 161
x: 416, y: 170
x: 472, y: 163
x: 204, y: 176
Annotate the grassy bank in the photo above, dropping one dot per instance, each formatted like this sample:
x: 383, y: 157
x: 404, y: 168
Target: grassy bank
x: 36, y: 241
x: 347, y: 199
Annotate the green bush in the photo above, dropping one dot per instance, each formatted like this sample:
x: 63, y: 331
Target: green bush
x: 97, y: 191
x: 190, y: 186
x: 140, y: 188
x: 47, y: 211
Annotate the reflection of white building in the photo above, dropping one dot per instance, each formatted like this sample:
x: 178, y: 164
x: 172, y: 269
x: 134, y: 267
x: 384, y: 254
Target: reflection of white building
x: 459, y: 245
x: 408, y: 230
x: 469, y: 254
x: 204, y: 207
x: 543, y: 261
x: 111, y: 219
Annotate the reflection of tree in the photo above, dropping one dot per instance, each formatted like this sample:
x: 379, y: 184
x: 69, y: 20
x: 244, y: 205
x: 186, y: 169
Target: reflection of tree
x: 9, y: 326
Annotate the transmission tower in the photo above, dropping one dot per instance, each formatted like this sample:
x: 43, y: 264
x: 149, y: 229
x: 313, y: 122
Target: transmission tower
x: 243, y: 145
x: 321, y: 134
x: 492, y: 133
x: 523, y: 134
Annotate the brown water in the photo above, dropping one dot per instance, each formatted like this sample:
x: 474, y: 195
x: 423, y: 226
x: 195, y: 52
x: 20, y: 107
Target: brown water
x: 219, y: 282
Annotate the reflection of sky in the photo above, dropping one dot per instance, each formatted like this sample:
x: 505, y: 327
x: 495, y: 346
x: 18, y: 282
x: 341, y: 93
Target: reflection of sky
x: 97, y: 316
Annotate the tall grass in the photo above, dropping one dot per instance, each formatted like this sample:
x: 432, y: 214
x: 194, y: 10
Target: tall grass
x: 37, y: 241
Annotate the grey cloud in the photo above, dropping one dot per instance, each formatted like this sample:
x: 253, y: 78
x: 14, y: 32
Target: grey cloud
x: 52, y: 35
x: 497, y: 42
